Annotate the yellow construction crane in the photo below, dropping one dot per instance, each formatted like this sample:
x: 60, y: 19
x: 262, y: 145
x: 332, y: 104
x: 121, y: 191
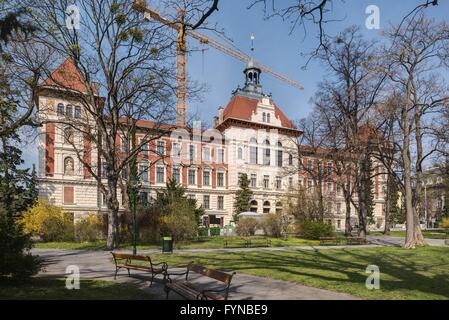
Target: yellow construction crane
x: 181, y: 56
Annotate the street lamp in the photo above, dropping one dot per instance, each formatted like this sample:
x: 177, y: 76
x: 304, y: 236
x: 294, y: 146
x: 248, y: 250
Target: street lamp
x: 134, y: 186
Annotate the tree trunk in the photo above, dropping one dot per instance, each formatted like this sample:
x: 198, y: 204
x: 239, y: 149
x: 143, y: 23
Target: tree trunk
x: 113, y: 222
x: 348, y: 227
x: 387, y: 207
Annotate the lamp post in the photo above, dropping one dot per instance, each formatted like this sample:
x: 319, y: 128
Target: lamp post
x: 134, y: 186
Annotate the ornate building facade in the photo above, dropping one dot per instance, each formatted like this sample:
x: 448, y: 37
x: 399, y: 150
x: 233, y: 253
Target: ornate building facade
x: 251, y: 135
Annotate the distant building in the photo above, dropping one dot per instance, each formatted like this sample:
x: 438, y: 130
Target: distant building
x: 433, y: 197
x: 251, y: 135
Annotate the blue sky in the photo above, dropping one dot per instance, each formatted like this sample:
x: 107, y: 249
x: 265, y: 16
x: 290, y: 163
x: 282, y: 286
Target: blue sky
x: 278, y: 49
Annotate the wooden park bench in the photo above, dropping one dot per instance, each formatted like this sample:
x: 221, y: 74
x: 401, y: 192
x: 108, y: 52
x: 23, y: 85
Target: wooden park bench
x: 258, y: 241
x: 235, y: 240
x: 127, y: 261
x: 329, y: 241
x: 191, y: 291
x: 356, y: 240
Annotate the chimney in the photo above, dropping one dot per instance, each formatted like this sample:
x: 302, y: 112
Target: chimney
x: 220, y: 114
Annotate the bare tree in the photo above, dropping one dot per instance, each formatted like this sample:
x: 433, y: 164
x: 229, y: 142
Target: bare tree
x: 123, y: 67
x: 418, y: 49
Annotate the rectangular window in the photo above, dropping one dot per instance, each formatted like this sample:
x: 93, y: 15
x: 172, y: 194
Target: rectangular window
x: 191, y: 152
x: 253, y: 180
x: 143, y: 172
x: 220, y: 179
x: 206, y: 178
x: 206, y: 154
x: 124, y: 144
x: 143, y: 197
x: 176, y: 175
x: 69, y: 195
x: 279, y: 155
x: 253, y: 155
x: 192, y: 177
x: 103, y: 169
x: 60, y: 110
x: 329, y: 187
x: 78, y: 112
x: 69, y: 111
x: 220, y: 155
x: 220, y: 202
x: 160, y: 174
x: 145, y: 148
x: 160, y: 149
x: 278, y: 183
x: 266, y: 182
x: 338, y: 207
x: 309, y: 166
x: 290, y: 182
x: 266, y: 157
x: 206, y: 202
x: 176, y: 153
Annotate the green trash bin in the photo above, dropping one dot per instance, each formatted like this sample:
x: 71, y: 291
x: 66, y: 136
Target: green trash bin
x: 167, y: 244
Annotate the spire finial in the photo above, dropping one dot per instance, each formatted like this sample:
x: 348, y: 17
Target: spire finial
x: 252, y: 41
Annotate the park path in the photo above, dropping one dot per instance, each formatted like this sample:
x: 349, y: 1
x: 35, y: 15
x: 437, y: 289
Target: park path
x: 97, y: 265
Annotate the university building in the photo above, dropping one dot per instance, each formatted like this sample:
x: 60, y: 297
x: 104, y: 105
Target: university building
x: 251, y: 135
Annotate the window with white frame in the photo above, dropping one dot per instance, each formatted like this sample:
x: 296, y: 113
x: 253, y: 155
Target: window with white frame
x: 160, y: 174
x: 253, y: 180
x: 176, y: 175
x: 176, y: 152
x: 160, y: 148
x: 206, y: 177
x: 192, y: 176
x: 220, y: 203
x: 220, y: 179
x: 143, y: 171
x: 266, y: 153
x: 253, y: 151
x: 220, y: 155
x: 191, y: 152
x: 77, y: 112
x: 278, y: 183
x: 240, y: 153
x: 206, y: 154
x: 266, y: 181
x: 206, y: 202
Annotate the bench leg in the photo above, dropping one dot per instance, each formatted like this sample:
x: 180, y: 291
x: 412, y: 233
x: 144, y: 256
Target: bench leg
x: 115, y: 275
x: 152, y: 278
x: 167, y: 291
x: 129, y: 273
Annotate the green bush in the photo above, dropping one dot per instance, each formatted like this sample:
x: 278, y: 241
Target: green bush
x: 274, y: 224
x: 215, y: 231
x: 247, y: 227
x: 314, y: 230
x: 203, y: 232
x: 89, y: 228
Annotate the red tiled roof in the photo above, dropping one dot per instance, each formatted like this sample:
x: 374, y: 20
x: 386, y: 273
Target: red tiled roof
x: 66, y: 76
x: 241, y: 107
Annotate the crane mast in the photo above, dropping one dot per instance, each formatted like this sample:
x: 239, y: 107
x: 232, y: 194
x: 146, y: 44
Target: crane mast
x: 181, y: 56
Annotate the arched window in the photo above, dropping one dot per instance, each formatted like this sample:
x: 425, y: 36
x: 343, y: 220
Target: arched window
x: 278, y: 207
x: 60, y: 110
x: 69, y: 111
x: 266, y: 153
x: 253, y: 151
x: 68, y: 135
x: 268, y: 117
x: 264, y: 117
x: 250, y: 75
x: 279, y: 155
x: 290, y: 159
x: 266, y: 207
x: 253, y: 206
x: 78, y: 112
x: 69, y: 166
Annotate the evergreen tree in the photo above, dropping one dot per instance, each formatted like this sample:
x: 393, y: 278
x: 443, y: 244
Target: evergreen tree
x: 18, y: 192
x: 242, y: 196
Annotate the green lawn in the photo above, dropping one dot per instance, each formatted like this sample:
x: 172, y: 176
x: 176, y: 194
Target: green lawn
x: 405, y: 274
x: 48, y: 288
x: 200, y: 243
x: 426, y: 233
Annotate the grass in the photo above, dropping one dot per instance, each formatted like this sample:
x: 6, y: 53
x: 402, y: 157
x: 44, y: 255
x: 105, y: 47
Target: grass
x: 426, y: 233
x: 49, y: 288
x: 422, y: 273
x: 200, y: 243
